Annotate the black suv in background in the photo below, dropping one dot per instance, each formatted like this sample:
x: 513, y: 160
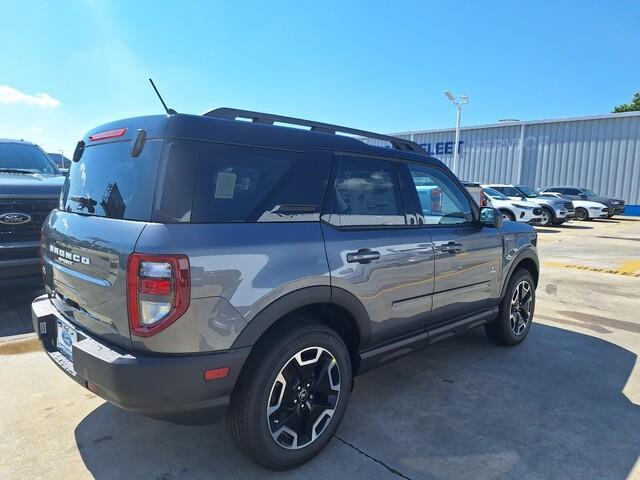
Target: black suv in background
x: 30, y: 185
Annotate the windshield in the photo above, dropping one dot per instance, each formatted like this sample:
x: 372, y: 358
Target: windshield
x: 24, y: 158
x: 510, y: 191
x: 586, y: 191
x: 528, y: 192
x: 490, y: 192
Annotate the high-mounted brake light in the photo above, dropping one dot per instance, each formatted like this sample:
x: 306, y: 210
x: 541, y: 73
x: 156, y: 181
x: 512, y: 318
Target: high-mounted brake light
x: 158, y: 291
x: 118, y: 132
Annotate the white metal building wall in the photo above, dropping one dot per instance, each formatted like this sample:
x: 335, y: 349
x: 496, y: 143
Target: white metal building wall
x: 601, y: 153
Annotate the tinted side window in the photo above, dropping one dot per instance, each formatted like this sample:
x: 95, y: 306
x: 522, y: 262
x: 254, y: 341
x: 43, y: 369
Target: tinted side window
x: 571, y: 191
x: 244, y: 184
x: 441, y: 200
x: 367, y: 193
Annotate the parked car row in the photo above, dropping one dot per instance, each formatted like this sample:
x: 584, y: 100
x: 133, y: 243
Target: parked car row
x: 547, y: 206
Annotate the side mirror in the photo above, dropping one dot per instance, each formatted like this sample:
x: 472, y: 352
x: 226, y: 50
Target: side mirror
x: 583, y: 196
x: 489, y: 217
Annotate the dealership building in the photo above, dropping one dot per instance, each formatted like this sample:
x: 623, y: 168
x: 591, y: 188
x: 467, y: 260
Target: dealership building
x: 599, y: 152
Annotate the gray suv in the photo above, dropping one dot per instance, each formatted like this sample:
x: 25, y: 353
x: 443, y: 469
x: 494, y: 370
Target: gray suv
x: 203, y: 265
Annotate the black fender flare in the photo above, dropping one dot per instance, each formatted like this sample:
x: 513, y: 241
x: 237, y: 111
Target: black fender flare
x: 527, y: 253
x: 303, y: 297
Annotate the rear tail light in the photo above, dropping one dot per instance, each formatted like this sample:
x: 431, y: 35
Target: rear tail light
x: 158, y: 291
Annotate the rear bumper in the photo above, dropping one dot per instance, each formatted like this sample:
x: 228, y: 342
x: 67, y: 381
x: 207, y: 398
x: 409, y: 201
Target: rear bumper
x: 167, y: 387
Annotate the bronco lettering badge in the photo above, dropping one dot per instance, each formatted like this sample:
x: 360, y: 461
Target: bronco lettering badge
x: 67, y: 257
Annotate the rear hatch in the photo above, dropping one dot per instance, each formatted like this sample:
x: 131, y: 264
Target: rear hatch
x: 106, y: 203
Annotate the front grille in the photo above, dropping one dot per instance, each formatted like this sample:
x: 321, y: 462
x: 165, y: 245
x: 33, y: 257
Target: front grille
x: 537, y: 211
x: 37, y: 208
x: 569, y: 206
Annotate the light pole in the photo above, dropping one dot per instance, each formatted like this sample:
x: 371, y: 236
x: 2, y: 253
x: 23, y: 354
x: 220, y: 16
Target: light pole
x: 458, y: 102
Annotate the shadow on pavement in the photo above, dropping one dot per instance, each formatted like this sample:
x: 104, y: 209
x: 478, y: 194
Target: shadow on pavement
x: 546, y: 230
x: 565, y: 226
x: 463, y: 408
x: 15, y: 309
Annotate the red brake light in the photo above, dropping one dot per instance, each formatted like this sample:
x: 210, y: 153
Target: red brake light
x: 154, y: 286
x: 118, y: 132
x: 158, y: 291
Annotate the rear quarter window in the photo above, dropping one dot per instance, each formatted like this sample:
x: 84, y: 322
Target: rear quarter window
x: 217, y: 183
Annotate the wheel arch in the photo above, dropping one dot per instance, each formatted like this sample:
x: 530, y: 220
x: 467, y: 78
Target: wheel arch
x: 332, y: 306
x: 527, y: 260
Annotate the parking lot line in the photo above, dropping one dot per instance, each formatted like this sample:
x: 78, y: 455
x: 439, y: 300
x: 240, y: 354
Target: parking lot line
x: 627, y: 269
x: 630, y: 267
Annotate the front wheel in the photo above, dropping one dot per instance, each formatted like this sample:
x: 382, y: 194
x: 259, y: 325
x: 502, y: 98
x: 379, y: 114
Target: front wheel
x: 582, y: 214
x: 292, y: 396
x: 507, y: 216
x: 547, y: 217
x: 515, y: 316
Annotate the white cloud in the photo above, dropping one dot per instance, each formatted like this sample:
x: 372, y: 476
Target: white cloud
x: 11, y: 95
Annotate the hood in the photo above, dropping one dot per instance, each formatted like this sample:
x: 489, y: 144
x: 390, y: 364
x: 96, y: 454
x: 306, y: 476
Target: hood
x: 19, y: 184
x: 525, y: 203
x: 599, y: 199
x: 588, y: 204
x: 548, y: 201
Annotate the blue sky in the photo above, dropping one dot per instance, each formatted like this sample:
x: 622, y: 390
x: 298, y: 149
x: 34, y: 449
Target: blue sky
x: 374, y: 65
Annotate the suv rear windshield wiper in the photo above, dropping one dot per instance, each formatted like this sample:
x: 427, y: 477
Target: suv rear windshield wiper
x: 15, y: 170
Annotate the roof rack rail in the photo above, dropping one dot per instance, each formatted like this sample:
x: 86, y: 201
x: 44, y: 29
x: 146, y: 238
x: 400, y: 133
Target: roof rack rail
x: 270, y: 119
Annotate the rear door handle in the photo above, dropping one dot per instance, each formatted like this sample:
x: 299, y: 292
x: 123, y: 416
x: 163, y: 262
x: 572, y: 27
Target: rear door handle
x: 364, y: 255
x: 451, y: 247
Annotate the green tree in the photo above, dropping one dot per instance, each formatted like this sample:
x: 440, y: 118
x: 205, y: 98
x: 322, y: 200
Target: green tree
x: 634, y: 106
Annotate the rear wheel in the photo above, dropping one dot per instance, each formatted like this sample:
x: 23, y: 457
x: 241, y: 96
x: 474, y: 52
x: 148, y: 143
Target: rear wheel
x: 292, y: 396
x: 507, y: 216
x: 547, y: 217
x: 582, y: 214
x: 515, y: 316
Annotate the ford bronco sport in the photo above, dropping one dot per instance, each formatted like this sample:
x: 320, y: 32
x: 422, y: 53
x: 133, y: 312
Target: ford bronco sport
x: 203, y: 265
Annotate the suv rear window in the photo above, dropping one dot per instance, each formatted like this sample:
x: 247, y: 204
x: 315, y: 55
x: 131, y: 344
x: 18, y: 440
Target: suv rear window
x: 109, y: 182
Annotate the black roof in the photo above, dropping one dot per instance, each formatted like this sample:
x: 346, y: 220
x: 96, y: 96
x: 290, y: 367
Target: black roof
x: 222, y: 126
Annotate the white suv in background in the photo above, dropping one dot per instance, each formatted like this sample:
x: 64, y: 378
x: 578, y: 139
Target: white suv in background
x: 585, y: 209
x: 520, y: 210
x: 555, y: 211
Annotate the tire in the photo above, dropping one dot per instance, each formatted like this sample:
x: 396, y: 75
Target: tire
x: 548, y: 217
x: 582, y: 214
x: 278, y: 384
x: 508, y: 216
x: 511, y: 327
